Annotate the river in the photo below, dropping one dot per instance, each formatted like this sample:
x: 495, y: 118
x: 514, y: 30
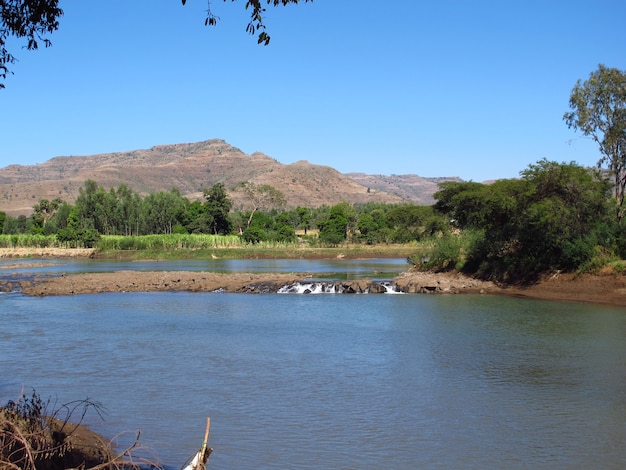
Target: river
x: 335, y: 381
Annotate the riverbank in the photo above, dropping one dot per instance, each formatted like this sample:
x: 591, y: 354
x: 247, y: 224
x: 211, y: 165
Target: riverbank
x: 349, y: 251
x: 48, y: 252
x: 604, y: 288
x: 600, y: 289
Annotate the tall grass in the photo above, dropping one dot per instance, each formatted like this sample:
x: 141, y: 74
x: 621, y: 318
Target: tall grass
x: 200, y: 245
x: 29, y: 241
x: 169, y: 242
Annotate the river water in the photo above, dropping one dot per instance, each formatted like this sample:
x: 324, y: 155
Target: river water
x: 333, y: 381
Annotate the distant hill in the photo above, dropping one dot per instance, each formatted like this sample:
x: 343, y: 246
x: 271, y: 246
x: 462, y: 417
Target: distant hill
x: 193, y: 167
x: 409, y: 187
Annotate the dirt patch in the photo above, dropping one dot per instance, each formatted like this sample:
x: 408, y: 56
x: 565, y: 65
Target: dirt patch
x: 442, y: 283
x: 605, y: 288
x: 137, y: 281
x: 601, y: 288
x: 47, y: 252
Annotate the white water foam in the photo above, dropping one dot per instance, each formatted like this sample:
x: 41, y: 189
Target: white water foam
x: 329, y: 288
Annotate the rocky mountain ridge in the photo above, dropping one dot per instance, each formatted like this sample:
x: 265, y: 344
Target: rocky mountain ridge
x: 192, y: 167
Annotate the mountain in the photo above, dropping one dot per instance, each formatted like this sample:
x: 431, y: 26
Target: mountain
x: 192, y: 167
x: 409, y: 187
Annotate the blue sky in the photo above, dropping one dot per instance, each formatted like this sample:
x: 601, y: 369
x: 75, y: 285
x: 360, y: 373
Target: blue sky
x: 475, y: 89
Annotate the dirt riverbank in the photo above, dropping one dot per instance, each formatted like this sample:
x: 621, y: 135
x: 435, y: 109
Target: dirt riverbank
x: 604, y: 288
x: 601, y: 289
x: 47, y: 252
x: 152, y: 281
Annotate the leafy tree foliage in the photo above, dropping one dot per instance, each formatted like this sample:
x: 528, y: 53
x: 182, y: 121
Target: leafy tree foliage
x: 163, y: 211
x: 304, y: 218
x: 260, y: 197
x: 254, y: 234
x: 264, y: 227
x: 257, y: 10
x: 334, y: 230
x: 550, y: 219
x: 368, y: 229
x: 30, y: 19
x: 33, y: 19
x: 598, y: 110
x: 77, y: 238
x: 217, y: 207
x: 43, y: 213
x: 409, y: 222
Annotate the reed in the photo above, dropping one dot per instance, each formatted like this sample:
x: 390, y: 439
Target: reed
x: 168, y: 242
x: 237, y: 249
x: 29, y: 241
x: 186, y: 246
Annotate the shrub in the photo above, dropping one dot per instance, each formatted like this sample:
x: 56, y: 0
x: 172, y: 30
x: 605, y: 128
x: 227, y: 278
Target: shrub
x: 446, y: 254
x: 254, y: 235
x: 286, y: 234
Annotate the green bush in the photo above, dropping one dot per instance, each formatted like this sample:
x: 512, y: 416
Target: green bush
x: 577, y: 253
x: 446, y: 254
x: 286, y: 234
x: 599, y: 258
x: 254, y: 235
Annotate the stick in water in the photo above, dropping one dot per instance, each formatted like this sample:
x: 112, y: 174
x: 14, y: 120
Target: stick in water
x: 206, y: 439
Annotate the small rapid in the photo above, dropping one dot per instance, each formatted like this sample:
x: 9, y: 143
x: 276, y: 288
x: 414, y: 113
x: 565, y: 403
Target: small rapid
x: 345, y: 287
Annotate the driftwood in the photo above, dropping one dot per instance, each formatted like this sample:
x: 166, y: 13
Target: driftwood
x: 199, y: 460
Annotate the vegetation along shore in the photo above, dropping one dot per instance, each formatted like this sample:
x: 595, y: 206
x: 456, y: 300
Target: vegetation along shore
x: 604, y: 287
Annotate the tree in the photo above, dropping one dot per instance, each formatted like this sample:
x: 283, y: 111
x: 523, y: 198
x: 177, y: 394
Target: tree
x: 598, y: 110
x: 304, y: 214
x: 408, y: 222
x: 32, y: 19
x: 128, y: 211
x: 217, y: 207
x: 334, y: 230
x: 85, y: 205
x: 261, y: 197
x: 550, y: 219
x: 44, y: 211
x: 368, y: 229
x: 256, y: 16
x: 164, y: 210
x: 472, y: 205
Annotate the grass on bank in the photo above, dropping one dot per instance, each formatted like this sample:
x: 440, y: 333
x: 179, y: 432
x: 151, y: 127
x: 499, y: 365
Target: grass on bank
x: 445, y: 253
x: 242, y: 250
x: 196, y: 246
x: 30, y: 241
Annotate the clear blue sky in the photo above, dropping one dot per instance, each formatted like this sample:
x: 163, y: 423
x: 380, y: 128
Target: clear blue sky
x: 475, y: 89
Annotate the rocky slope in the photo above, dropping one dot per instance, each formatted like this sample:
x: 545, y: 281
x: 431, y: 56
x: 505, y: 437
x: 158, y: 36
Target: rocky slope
x: 193, y: 167
x: 410, y: 187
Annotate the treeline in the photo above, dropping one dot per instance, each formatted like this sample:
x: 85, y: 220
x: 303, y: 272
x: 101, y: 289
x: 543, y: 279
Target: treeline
x: 555, y: 217
x: 121, y: 211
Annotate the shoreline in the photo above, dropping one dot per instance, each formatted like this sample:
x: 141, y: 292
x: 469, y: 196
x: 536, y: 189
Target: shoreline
x: 605, y: 288
x: 49, y: 252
